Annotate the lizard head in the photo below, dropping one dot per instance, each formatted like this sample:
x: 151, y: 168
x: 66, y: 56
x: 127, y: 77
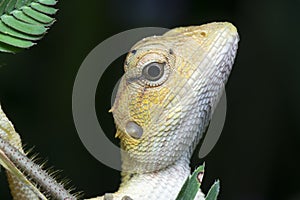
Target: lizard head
x: 170, y: 88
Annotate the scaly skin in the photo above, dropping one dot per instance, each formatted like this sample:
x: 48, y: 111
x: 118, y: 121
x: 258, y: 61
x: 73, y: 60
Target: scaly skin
x: 18, y: 188
x: 164, y: 103
x: 26, y: 179
x: 169, y: 115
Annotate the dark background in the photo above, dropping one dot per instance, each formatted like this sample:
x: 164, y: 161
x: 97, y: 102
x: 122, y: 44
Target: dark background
x: 257, y: 155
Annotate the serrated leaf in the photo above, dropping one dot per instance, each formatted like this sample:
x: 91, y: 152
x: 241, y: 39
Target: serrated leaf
x: 24, y: 170
x: 213, y: 191
x: 12, y: 168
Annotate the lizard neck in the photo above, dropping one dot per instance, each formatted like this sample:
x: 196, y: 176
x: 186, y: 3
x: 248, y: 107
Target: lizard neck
x: 163, y: 184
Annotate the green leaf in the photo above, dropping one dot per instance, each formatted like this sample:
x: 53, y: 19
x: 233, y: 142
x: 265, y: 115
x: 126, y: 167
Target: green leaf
x: 9, y: 31
x: 3, y: 5
x: 24, y: 18
x: 214, y: 191
x: 48, y: 2
x: 21, y: 3
x: 10, y: 6
x: 44, y: 9
x: 24, y: 21
x: 38, y: 16
x: 22, y: 26
x: 8, y: 48
x: 192, y: 185
x: 7, y: 39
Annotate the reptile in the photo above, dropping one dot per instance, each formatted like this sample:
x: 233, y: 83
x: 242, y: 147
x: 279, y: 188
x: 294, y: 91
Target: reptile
x: 165, y: 100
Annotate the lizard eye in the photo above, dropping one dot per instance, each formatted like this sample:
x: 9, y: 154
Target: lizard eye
x: 153, y: 73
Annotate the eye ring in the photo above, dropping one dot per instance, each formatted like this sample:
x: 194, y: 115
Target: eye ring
x: 153, y: 71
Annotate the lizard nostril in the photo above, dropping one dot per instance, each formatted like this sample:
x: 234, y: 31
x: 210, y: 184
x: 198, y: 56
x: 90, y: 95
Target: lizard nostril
x: 134, y: 130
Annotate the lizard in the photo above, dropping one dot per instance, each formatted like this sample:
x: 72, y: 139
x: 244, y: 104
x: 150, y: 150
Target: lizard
x: 165, y: 100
